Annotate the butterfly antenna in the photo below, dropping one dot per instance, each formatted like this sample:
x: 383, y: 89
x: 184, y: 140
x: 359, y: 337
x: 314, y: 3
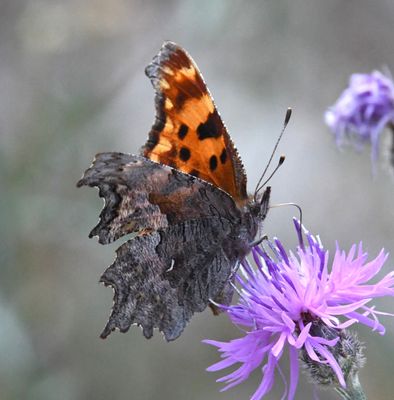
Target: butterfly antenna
x: 258, y: 186
x: 280, y: 162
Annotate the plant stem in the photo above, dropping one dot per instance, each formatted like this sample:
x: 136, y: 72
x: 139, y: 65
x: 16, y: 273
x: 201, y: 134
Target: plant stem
x: 353, y: 390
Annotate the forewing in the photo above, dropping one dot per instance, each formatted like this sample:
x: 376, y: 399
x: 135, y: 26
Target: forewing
x: 143, y: 196
x: 188, y: 132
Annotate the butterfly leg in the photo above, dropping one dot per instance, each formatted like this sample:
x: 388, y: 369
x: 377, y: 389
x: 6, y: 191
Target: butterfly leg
x: 258, y: 241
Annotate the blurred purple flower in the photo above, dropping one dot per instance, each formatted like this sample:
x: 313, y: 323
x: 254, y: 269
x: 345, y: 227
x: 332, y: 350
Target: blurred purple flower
x: 363, y: 110
x: 282, y: 301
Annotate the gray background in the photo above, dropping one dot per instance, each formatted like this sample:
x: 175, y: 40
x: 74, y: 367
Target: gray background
x: 72, y: 84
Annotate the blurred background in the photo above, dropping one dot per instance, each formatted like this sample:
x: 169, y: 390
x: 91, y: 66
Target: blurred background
x: 72, y: 84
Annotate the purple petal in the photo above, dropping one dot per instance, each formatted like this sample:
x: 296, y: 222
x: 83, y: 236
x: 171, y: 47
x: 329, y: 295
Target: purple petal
x: 294, y: 373
x: 346, y: 308
x: 332, y: 361
x: 268, y: 379
x: 303, y: 336
x: 278, y: 347
x: 374, y: 324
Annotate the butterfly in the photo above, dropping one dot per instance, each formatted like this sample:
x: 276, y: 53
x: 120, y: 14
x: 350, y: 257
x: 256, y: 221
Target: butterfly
x: 185, y: 201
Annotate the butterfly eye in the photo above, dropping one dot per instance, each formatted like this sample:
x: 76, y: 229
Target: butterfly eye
x: 264, y: 202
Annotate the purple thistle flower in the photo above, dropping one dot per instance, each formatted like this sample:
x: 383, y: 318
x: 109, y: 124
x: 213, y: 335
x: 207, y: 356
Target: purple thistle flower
x: 363, y: 110
x: 289, y: 301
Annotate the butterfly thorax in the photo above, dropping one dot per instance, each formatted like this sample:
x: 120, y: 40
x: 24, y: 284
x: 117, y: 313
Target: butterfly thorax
x: 248, y: 229
x: 252, y: 217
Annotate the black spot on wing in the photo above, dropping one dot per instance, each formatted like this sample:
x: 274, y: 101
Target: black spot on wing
x: 184, y: 154
x: 180, y: 100
x: 186, y: 89
x: 223, y: 156
x: 213, y: 163
x: 182, y: 132
x: 211, y: 128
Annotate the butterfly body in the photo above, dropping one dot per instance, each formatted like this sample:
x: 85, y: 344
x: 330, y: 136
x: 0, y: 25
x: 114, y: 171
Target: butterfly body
x: 184, y: 199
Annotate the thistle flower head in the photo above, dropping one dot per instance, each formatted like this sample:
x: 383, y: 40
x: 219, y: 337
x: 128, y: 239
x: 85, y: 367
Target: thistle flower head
x: 295, y: 302
x: 363, y: 110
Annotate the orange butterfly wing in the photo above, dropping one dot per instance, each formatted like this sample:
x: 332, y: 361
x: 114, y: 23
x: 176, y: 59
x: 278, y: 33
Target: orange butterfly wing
x: 188, y: 133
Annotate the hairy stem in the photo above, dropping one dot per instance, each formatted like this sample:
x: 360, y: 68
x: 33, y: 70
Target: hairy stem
x: 353, y: 390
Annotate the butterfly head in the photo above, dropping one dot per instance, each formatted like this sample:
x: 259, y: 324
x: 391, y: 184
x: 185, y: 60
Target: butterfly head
x: 254, y: 215
x: 260, y: 205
